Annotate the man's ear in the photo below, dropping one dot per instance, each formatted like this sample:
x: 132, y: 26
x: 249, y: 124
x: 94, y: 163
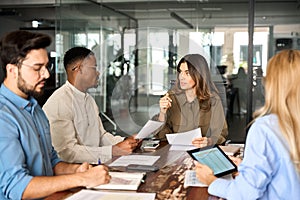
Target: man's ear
x: 12, y: 70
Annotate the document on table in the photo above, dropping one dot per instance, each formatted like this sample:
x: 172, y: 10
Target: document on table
x: 182, y: 147
x: 183, y: 138
x: 99, y: 195
x: 134, y: 159
x: 123, y: 181
x: 148, y: 129
x: 190, y: 179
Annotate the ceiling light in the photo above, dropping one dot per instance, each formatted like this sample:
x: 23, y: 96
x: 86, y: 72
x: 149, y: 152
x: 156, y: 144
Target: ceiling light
x: 35, y: 23
x: 212, y: 9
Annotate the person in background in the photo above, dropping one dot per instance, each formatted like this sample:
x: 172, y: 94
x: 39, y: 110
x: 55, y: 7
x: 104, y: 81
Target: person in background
x: 240, y: 82
x: 30, y: 167
x: 194, y: 102
x: 270, y: 168
x: 76, y: 128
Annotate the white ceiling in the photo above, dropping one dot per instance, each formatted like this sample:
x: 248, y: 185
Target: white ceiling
x: 198, y: 14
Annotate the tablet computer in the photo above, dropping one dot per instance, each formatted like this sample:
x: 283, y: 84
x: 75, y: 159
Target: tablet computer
x: 215, y: 158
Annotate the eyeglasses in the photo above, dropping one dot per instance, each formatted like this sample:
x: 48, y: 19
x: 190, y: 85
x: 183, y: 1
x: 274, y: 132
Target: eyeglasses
x: 94, y: 67
x: 41, y: 69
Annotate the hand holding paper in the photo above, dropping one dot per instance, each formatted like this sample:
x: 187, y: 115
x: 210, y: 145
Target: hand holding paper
x: 202, y: 142
x: 148, y: 129
x: 184, y: 138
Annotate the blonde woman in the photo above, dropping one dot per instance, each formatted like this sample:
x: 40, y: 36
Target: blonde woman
x: 270, y: 168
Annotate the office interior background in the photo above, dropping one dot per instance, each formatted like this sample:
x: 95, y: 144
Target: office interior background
x: 139, y: 42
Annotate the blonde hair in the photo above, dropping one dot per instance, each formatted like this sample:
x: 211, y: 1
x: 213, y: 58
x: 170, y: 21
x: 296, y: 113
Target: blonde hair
x: 282, y: 97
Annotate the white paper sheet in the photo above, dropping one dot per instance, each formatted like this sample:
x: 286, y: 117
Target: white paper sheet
x: 123, y: 181
x: 92, y: 195
x: 190, y: 179
x: 183, y: 138
x: 182, y: 147
x: 134, y: 159
x: 148, y: 129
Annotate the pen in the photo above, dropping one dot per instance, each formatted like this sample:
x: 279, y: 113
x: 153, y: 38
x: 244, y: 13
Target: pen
x: 144, y: 178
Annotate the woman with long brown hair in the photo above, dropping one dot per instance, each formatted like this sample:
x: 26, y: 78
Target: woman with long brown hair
x: 194, y: 103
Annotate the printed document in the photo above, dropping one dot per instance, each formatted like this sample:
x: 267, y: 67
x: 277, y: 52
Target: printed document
x: 134, y: 159
x: 148, y: 129
x: 190, y: 179
x: 183, y: 138
x: 99, y: 195
x: 123, y: 181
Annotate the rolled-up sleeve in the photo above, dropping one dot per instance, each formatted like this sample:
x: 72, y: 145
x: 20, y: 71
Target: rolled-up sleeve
x: 13, y: 174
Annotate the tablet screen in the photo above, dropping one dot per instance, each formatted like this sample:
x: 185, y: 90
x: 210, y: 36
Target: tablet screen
x: 215, y: 158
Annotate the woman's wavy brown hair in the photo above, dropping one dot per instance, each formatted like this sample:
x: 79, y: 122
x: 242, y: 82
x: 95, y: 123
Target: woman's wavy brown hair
x: 199, y: 71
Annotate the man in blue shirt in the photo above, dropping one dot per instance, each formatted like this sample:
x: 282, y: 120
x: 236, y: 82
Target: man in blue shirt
x: 29, y: 165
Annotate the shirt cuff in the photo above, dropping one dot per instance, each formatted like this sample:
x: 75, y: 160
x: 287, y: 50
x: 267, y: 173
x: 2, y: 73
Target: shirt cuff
x: 219, y: 187
x: 106, y: 153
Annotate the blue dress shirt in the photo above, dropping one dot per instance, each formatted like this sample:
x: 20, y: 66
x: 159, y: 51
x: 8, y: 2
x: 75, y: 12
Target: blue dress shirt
x: 25, y: 144
x: 267, y: 171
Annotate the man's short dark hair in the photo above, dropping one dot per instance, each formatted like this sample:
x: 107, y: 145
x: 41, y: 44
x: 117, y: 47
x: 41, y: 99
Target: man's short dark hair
x: 14, y: 46
x: 76, y: 54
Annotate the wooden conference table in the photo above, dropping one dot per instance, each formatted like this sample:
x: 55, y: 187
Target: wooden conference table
x: 167, y: 182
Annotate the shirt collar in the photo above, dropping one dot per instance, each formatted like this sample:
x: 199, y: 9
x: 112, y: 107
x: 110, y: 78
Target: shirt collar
x: 18, y: 101
x: 76, y: 91
x: 181, y: 98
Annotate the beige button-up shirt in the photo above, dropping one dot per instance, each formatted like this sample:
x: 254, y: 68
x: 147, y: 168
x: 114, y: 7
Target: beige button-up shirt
x: 76, y: 128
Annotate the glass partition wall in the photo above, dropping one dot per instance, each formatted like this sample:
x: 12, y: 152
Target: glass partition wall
x: 138, y: 47
x: 111, y: 35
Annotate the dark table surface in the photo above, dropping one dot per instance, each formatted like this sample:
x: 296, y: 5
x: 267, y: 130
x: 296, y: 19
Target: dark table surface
x: 167, y: 182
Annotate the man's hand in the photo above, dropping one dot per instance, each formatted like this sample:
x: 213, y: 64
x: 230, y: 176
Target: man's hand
x: 95, y: 176
x: 125, y: 147
x: 84, y: 167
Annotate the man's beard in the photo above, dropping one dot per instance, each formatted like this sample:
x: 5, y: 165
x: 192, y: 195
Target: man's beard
x: 27, y: 89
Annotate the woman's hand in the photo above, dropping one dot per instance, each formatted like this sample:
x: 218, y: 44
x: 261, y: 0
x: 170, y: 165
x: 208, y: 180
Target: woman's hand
x: 165, y: 103
x: 204, y: 173
x: 201, y: 142
x: 237, y: 161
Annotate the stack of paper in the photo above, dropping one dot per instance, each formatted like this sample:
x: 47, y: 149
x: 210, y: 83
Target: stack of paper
x: 134, y: 160
x: 123, y: 181
x: 99, y: 195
